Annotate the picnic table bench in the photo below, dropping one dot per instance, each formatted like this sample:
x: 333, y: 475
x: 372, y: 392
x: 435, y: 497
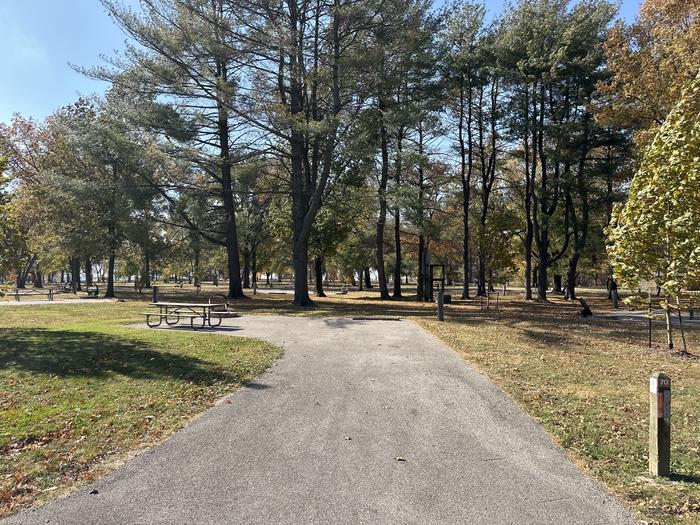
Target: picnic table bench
x: 173, y: 313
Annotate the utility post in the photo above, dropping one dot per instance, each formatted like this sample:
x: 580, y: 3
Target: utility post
x: 660, y: 425
x: 441, y: 305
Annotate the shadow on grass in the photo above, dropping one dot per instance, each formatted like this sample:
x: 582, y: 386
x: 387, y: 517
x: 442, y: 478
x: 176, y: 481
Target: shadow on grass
x: 685, y: 478
x: 93, y: 354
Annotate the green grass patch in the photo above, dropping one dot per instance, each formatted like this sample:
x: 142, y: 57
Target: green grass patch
x: 80, y: 392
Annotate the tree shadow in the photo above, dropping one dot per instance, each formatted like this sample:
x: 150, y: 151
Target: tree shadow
x: 67, y: 353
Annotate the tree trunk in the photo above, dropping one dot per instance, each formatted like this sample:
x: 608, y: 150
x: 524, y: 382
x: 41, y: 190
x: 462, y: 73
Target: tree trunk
x: 397, y: 220
x: 235, y: 289
x: 557, y: 284
x: 368, y: 279
x: 197, y: 266
x: 420, y: 285
x: 669, y: 328
x: 571, y: 276
x: 381, y: 220
x: 466, y: 161
x: 254, y: 266
x: 146, y: 277
x: 481, y: 290
x: 88, y: 271
x: 246, y: 268
x: 110, y: 270
x: 542, y: 271
x: 300, y: 263
x: 75, y: 273
x: 318, y: 270
x: 530, y: 173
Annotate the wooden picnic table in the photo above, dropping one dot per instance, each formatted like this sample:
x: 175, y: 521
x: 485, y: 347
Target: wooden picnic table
x: 173, y: 313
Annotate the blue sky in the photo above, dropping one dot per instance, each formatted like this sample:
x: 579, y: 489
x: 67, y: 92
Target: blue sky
x: 39, y: 38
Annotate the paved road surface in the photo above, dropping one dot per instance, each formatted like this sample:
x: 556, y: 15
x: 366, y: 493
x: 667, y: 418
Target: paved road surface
x: 359, y: 422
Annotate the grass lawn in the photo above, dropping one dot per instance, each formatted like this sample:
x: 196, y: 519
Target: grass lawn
x: 80, y: 392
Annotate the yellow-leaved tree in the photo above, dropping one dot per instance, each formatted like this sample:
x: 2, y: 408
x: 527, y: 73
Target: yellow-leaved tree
x: 651, y: 60
x: 655, y: 235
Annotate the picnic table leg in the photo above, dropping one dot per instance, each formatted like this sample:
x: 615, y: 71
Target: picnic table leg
x: 213, y: 325
x: 197, y: 327
x: 167, y: 318
x: 148, y: 321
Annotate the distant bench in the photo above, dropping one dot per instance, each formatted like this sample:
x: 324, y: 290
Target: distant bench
x: 48, y: 294
x: 92, y: 290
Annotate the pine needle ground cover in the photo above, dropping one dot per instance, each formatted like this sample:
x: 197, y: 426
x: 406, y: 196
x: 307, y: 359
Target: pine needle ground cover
x: 80, y: 392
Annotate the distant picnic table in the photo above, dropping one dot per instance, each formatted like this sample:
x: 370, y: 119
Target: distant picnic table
x: 173, y: 313
x: 37, y: 292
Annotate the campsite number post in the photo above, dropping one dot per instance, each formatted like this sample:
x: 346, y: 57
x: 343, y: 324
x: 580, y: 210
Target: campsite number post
x: 660, y: 424
x: 440, y: 305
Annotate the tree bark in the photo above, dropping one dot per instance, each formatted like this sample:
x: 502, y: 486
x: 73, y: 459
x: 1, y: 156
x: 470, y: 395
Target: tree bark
x: 75, y: 273
x: 571, y: 277
x: 466, y: 161
x: 88, y: 271
x: 669, y: 328
x: 420, y: 285
x: 110, y: 265
x: 530, y: 173
x: 397, y: 218
x: 381, y: 220
x: 246, y: 268
x: 254, y: 265
x: 318, y: 270
x: 557, y: 284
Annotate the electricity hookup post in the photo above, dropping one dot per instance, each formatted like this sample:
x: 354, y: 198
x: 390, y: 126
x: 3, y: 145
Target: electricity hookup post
x: 155, y: 294
x: 660, y: 425
x: 441, y: 305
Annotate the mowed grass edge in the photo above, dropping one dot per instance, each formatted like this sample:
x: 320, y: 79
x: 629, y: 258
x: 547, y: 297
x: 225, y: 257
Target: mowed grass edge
x: 80, y: 392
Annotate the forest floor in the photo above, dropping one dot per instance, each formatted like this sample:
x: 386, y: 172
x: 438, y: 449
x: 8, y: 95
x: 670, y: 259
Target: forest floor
x: 79, y: 397
x: 584, y: 379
